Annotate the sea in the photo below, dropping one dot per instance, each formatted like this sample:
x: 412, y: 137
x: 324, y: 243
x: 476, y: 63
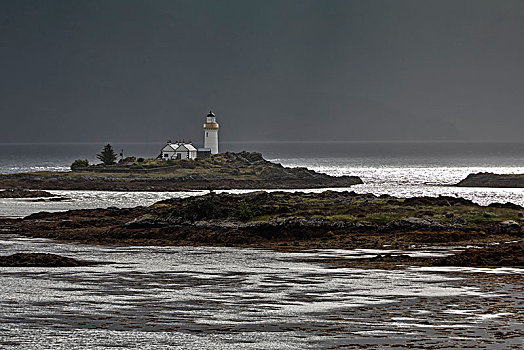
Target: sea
x: 231, y: 298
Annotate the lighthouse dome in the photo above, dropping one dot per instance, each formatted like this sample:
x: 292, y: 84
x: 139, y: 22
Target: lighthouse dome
x: 211, y: 114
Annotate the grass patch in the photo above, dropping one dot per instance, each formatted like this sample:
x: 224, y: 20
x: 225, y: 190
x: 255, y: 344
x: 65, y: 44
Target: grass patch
x: 344, y: 218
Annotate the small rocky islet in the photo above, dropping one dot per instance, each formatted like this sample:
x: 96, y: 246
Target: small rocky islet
x: 41, y: 260
x: 243, y: 170
x: 297, y: 221
x: 493, y: 180
x: 23, y: 193
x: 507, y: 254
x: 31, y: 195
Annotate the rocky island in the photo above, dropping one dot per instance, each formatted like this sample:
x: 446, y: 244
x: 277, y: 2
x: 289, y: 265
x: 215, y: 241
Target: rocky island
x: 41, y: 260
x: 244, y: 170
x: 288, y: 221
x: 493, y: 180
x: 23, y: 193
x: 31, y: 195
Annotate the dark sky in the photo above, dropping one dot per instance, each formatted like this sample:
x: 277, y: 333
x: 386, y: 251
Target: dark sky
x: 271, y: 70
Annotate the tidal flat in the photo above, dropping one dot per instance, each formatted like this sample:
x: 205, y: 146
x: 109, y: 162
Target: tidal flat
x: 222, y: 297
x: 269, y: 270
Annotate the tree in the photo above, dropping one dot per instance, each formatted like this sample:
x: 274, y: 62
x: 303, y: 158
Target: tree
x: 79, y: 163
x: 108, y: 155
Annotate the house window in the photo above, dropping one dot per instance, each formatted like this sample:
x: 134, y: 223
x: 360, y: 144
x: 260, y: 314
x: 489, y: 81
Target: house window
x: 207, y: 134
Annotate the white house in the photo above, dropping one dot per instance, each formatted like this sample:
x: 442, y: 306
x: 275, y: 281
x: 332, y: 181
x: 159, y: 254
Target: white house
x: 178, y: 150
x: 186, y: 151
x: 183, y: 150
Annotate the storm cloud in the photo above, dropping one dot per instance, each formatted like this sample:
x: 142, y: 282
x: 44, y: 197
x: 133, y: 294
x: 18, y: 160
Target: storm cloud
x: 81, y: 71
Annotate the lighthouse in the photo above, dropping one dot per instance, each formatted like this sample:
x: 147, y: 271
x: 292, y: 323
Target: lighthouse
x: 211, y: 133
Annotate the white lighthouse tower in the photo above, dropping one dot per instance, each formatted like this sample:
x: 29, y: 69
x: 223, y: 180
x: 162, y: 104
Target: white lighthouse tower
x: 211, y: 133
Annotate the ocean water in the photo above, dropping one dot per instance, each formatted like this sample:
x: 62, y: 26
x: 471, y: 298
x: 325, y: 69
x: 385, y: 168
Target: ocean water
x: 229, y: 298
x: 19, y: 157
x: 399, y: 169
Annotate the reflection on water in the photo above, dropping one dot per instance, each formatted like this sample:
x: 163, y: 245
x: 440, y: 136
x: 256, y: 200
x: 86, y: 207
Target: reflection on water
x: 403, y: 169
x: 87, y: 200
x: 222, y: 298
x: 407, y: 181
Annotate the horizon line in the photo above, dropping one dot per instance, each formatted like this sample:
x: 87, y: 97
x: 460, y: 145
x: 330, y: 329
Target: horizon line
x: 263, y: 142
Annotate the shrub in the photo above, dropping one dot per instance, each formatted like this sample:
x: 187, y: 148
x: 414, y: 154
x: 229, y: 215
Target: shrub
x: 79, y: 163
x: 127, y: 160
x: 244, y: 211
x: 140, y: 160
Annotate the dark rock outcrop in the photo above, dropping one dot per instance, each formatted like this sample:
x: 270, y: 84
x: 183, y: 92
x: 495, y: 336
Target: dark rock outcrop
x: 41, y: 260
x: 509, y: 226
x: 499, y: 255
x: 493, y: 180
x: 510, y: 254
x: 415, y: 224
x: 437, y: 201
x: 22, y: 193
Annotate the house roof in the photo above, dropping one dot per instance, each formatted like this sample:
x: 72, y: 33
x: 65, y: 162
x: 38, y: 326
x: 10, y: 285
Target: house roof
x: 181, y: 148
x: 178, y: 147
x: 169, y: 148
x: 185, y: 147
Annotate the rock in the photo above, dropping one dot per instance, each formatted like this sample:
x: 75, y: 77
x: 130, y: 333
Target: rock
x: 415, y: 224
x: 145, y: 221
x: 508, y: 226
x: 511, y: 254
x: 41, y: 260
x: 458, y: 221
x: 493, y: 180
x: 507, y: 205
x: 52, y: 199
x: 252, y: 157
x: 364, y: 225
x: 23, y: 193
x: 222, y: 225
x: 437, y: 201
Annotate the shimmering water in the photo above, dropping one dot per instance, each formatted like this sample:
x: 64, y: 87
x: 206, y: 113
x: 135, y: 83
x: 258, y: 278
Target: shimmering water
x: 399, y: 169
x: 223, y: 298
x: 227, y: 298
x: 102, y: 199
